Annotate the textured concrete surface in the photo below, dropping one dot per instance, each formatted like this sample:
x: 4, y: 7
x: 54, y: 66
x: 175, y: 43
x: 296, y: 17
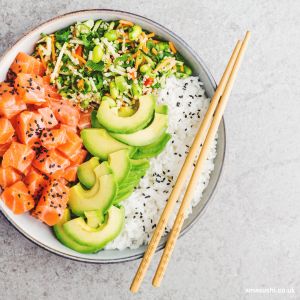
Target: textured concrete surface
x: 249, y: 236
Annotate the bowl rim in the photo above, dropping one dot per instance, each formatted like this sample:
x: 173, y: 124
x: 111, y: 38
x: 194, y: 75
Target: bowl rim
x: 214, y: 85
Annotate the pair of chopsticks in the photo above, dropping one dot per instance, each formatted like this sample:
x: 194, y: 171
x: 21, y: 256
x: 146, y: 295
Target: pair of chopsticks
x: 210, y: 126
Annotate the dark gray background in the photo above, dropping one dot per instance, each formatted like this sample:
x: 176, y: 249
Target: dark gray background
x: 249, y: 236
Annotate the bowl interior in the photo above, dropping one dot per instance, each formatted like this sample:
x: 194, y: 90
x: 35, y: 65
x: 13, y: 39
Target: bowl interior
x: 42, y: 234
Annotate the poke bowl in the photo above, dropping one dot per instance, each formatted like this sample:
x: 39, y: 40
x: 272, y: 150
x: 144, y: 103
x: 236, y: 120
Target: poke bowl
x: 184, y: 98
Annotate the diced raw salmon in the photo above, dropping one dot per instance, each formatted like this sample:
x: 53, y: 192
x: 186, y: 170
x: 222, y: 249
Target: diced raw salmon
x: 70, y: 173
x: 52, y: 202
x: 30, y: 88
x: 52, y: 138
x: 35, y: 182
x: 25, y: 63
x: 79, y: 158
x: 48, y: 117
x: 17, y: 198
x: 4, y: 147
x: 18, y: 156
x: 51, y: 162
x: 8, y: 176
x: 6, y: 131
x: 72, y: 147
x: 10, y: 104
x: 68, y: 127
x: 29, y: 127
x: 50, y: 90
x: 65, y: 112
x: 85, y: 120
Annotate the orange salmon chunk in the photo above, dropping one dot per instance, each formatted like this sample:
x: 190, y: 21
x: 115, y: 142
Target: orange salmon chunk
x: 50, y: 162
x: 52, y: 202
x: 72, y: 147
x: 6, y: 131
x: 18, y: 156
x: 17, y: 198
x: 29, y: 127
x: 30, y: 88
x: 35, y: 182
x: 48, y: 117
x: 10, y: 104
x: 25, y: 63
x: 52, y: 138
x: 8, y: 176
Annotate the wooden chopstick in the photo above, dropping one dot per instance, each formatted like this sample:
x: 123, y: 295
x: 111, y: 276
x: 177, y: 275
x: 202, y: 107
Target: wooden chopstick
x: 198, y: 168
x: 183, y: 174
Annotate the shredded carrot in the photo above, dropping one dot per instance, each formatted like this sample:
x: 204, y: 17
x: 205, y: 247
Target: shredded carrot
x: 145, y: 49
x: 181, y: 68
x: 132, y: 75
x: 125, y: 23
x: 172, y: 47
x: 53, y: 54
x: 134, y: 55
x: 162, y: 64
x: 80, y: 84
x: 78, y: 50
x: 121, y: 40
x: 155, y: 41
x: 151, y: 35
x: 42, y: 58
x: 154, y: 51
x: 80, y: 58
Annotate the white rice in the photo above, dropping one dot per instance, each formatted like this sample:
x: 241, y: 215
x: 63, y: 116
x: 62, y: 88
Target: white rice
x: 187, y: 105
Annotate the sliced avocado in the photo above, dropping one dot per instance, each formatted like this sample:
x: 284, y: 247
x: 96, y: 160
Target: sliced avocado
x: 152, y: 149
x: 68, y: 241
x: 110, y: 119
x: 99, y: 197
x: 125, y: 111
x: 94, y: 218
x: 99, y: 143
x: 119, y: 162
x: 162, y: 109
x: 78, y: 230
x: 94, y: 120
x: 147, y: 135
x: 102, y: 169
x: 85, y: 172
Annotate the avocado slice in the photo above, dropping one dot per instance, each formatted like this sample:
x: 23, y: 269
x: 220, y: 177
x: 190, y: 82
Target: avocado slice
x: 147, y: 135
x: 119, y: 162
x: 108, y: 117
x: 99, y: 197
x: 102, y: 169
x: 99, y: 143
x: 68, y: 241
x: 162, y: 109
x: 83, y: 234
x: 152, y: 149
x: 94, y: 218
x: 94, y: 120
x: 86, y: 174
x: 125, y: 111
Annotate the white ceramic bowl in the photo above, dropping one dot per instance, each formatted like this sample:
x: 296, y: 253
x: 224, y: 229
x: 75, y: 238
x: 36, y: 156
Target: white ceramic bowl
x: 41, y: 234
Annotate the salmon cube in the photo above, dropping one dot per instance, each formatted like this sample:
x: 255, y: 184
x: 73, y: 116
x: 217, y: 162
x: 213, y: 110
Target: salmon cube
x: 17, y: 198
x: 7, y: 131
x: 18, y: 156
